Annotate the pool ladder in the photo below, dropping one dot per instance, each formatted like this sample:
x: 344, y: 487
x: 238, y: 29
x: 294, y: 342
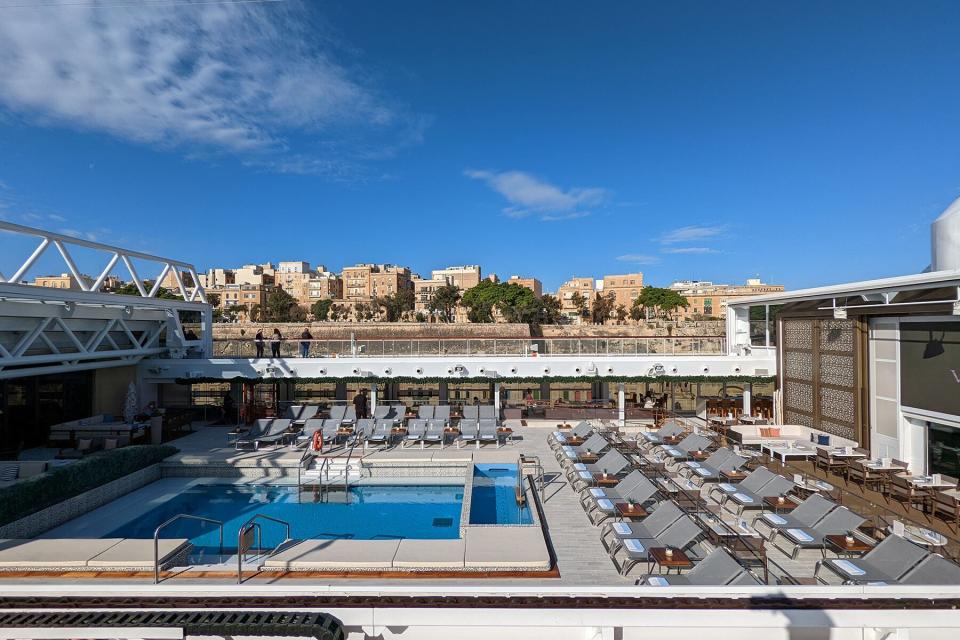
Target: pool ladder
x: 156, y: 538
x: 245, y: 538
x: 531, y: 465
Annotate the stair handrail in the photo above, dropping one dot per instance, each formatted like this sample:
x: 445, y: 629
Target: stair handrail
x: 252, y: 522
x: 156, y: 538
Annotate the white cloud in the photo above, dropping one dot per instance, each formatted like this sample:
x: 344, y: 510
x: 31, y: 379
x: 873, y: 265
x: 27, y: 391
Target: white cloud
x: 237, y: 78
x: 529, y: 195
x: 691, y: 233
x: 638, y: 258
x: 690, y: 250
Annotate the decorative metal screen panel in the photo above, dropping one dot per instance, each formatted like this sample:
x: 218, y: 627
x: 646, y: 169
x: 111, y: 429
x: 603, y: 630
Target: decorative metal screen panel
x: 820, y: 374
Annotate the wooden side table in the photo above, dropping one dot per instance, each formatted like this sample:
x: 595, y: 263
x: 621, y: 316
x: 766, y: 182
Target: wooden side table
x: 786, y: 506
x: 630, y: 511
x: 856, y: 548
x: 678, y: 560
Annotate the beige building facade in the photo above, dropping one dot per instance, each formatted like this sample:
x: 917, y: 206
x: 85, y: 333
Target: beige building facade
x: 585, y: 287
x: 63, y: 281
x: 465, y: 277
x: 709, y: 300
x: 625, y: 288
x: 530, y: 283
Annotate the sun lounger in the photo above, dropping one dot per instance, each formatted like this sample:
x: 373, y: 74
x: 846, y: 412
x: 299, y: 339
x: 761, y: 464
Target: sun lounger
x: 719, y: 568
x: 640, y: 491
x: 338, y: 412
x: 488, y: 412
x: 744, y: 499
x: 889, y: 561
x: 681, y: 451
x: 807, y: 514
x: 933, y: 570
x: 363, y: 430
x: 381, y: 411
x: 613, y: 462
x: 839, y: 521
x: 666, y: 513
x: 487, y: 432
x: 382, y: 432
x: 442, y: 412
x: 595, y: 444
x: 435, y: 432
x: 331, y: 431
x: 265, y: 431
x: 469, y: 431
x: 416, y: 430
x: 425, y: 411
x: 305, y: 437
x: 349, y: 415
x: 471, y: 412
x: 753, y: 482
x: 679, y: 535
x: 559, y: 438
x: 298, y: 414
x: 705, y: 472
x: 668, y: 429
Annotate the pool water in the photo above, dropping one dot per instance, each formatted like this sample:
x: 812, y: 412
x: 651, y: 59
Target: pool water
x: 373, y: 513
x: 494, y: 500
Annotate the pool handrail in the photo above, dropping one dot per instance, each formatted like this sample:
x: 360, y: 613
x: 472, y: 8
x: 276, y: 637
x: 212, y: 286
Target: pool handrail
x: 251, y: 523
x: 156, y: 539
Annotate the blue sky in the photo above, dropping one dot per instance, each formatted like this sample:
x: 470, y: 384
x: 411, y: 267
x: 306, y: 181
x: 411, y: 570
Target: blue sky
x: 807, y: 142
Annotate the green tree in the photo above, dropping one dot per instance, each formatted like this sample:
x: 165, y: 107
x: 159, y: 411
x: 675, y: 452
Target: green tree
x: 213, y: 299
x: 321, y: 309
x: 281, y: 307
x: 420, y: 317
x: 580, y: 303
x: 130, y: 289
x: 661, y: 302
x: 621, y: 314
x: 603, y: 307
x: 394, y: 306
x: 481, y: 300
x: 337, y: 312
x: 636, y: 311
x: 550, y: 312
x: 444, y: 301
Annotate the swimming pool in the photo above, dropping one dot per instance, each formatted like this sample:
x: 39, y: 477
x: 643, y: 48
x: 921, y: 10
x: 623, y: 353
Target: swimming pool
x: 373, y: 512
x: 493, y: 499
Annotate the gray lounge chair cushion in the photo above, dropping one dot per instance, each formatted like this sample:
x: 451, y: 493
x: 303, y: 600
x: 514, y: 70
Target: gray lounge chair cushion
x: 425, y: 411
x: 717, y: 569
x: 653, y: 525
x: 934, y: 569
x: 807, y: 514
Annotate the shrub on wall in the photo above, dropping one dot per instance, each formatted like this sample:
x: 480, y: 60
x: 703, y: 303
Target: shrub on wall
x: 61, y: 483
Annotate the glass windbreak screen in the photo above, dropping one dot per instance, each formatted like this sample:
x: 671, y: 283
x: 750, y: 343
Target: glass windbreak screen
x: 930, y: 366
x: 758, y: 326
x: 943, y: 449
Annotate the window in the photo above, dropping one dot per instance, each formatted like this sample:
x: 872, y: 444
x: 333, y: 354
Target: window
x: 943, y: 449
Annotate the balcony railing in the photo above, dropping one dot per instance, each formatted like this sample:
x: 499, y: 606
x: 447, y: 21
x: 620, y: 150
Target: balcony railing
x: 641, y: 346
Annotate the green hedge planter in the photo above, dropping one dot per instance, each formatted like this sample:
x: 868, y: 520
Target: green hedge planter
x: 23, y: 498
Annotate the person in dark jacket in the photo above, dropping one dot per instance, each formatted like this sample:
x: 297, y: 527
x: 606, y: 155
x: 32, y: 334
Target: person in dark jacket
x: 360, y: 404
x: 258, y: 340
x: 305, y: 345
x: 275, y: 343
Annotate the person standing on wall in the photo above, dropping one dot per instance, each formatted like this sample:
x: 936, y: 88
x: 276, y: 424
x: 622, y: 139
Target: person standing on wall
x: 258, y: 340
x: 275, y: 343
x: 305, y: 344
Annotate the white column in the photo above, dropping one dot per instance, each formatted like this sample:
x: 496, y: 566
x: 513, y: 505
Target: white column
x: 621, y: 405
x: 747, y: 389
x: 373, y: 399
x: 496, y: 400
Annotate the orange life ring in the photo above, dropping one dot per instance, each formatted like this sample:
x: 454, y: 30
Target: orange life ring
x: 317, y: 441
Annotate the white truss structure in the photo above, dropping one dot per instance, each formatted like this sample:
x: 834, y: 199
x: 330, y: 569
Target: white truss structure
x: 46, y: 330
x: 113, y: 255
